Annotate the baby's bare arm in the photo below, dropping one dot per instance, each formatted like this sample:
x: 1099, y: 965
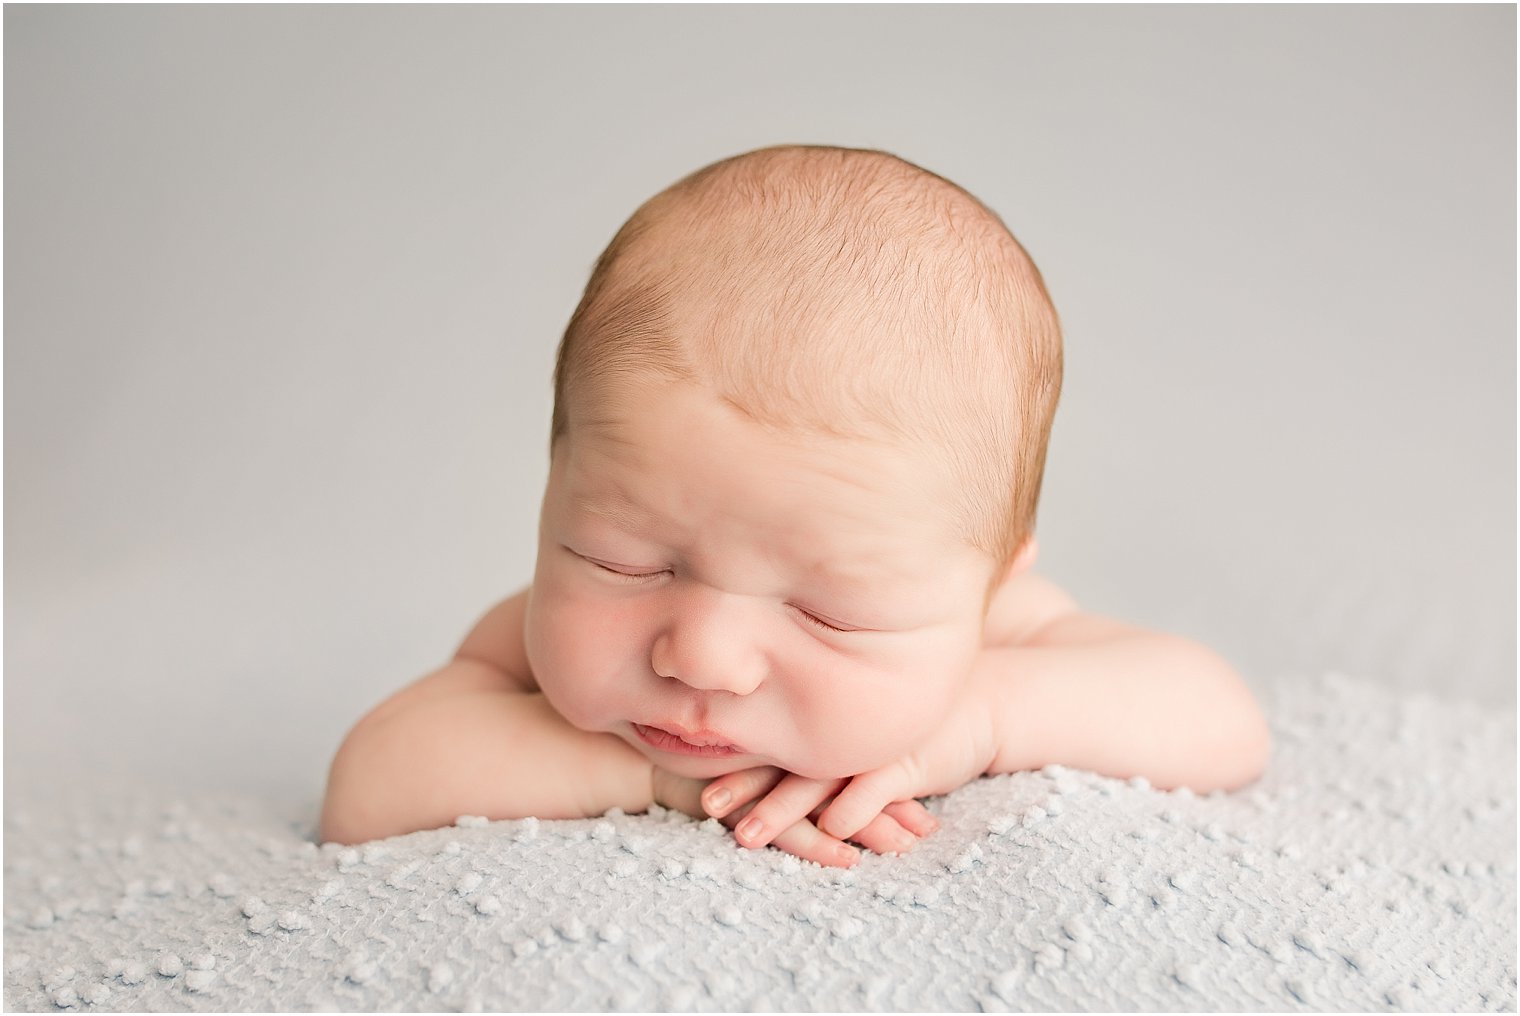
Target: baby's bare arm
x: 500, y: 754
x: 1078, y: 690
x: 461, y: 742
x: 1096, y: 694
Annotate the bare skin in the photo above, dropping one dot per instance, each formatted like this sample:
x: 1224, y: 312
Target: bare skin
x: 787, y: 630
x: 847, y: 682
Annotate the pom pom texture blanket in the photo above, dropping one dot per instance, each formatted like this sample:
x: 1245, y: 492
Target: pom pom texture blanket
x: 1372, y: 868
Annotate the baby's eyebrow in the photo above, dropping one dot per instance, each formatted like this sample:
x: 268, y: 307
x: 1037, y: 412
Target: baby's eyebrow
x: 852, y: 584
x: 614, y: 506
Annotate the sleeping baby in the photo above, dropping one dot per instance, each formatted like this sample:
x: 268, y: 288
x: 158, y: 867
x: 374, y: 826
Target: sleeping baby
x: 785, y: 561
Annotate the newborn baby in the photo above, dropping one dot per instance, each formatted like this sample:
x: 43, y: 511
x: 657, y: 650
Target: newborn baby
x: 784, y: 562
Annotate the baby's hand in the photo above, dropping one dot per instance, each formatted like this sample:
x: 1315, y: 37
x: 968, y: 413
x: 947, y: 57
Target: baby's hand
x: 800, y: 837
x: 779, y: 808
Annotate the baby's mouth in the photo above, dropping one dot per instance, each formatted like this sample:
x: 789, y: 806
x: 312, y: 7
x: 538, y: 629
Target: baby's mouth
x: 679, y: 741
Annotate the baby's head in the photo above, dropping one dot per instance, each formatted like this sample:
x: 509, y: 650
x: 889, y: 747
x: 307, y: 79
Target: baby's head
x: 837, y: 292
x: 807, y: 389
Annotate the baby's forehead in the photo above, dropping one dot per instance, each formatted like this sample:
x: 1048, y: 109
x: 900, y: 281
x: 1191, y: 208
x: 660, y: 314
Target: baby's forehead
x: 798, y: 350
x: 839, y: 291
x: 722, y: 504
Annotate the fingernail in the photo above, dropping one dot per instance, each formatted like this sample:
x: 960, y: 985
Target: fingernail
x: 847, y: 854
x: 718, y: 801
x: 904, y: 842
x: 750, y: 829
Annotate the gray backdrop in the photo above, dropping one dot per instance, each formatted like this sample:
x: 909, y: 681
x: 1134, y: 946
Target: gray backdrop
x: 283, y: 287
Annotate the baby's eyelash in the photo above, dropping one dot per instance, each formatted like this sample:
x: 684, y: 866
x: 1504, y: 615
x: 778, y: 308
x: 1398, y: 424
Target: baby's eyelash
x: 627, y: 576
x: 820, y: 622
x: 635, y: 577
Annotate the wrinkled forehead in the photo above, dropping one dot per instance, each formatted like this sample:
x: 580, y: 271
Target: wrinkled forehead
x: 670, y: 466
x: 678, y: 451
x: 790, y: 358
x: 857, y: 338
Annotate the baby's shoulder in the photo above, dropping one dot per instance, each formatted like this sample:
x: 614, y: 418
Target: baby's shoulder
x: 1022, y: 606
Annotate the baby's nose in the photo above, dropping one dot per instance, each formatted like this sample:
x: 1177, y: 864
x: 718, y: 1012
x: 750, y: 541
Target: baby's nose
x: 709, y: 653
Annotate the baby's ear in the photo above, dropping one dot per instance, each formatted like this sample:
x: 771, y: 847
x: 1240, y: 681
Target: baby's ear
x: 1028, y: 552
x: 1022, y: 561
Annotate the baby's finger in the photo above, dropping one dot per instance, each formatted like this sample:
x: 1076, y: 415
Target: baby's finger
x: 866, y: 797
x: 681, y: 793
x: 790, y: 802
x: 913, y: 817
x: 726, y: 793
x: 885, y: 835
x: 803, y: 840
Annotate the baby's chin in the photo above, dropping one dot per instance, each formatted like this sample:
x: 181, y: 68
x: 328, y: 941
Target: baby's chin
x: 703, y: 768
x: 697, y: 768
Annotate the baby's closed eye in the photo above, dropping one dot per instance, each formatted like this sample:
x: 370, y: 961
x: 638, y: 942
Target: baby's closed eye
x: 819, y: 622
x: 623, y: 571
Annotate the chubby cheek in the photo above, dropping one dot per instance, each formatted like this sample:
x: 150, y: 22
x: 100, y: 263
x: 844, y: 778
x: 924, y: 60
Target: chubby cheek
x: 871, y: 717
x: 589, y: 655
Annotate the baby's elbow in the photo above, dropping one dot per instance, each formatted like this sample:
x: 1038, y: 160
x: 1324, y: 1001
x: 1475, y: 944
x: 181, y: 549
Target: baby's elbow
x: 341, y: 822
x: 1237, y: 745
x: 349, y: 812
x: 338, y: 823
x: 1246, y: 744
x: 337, y: 827
x: 1251, y: 752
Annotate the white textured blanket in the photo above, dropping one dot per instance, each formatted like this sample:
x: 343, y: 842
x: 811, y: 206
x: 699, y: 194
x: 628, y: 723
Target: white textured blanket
x: 1373, y: 868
